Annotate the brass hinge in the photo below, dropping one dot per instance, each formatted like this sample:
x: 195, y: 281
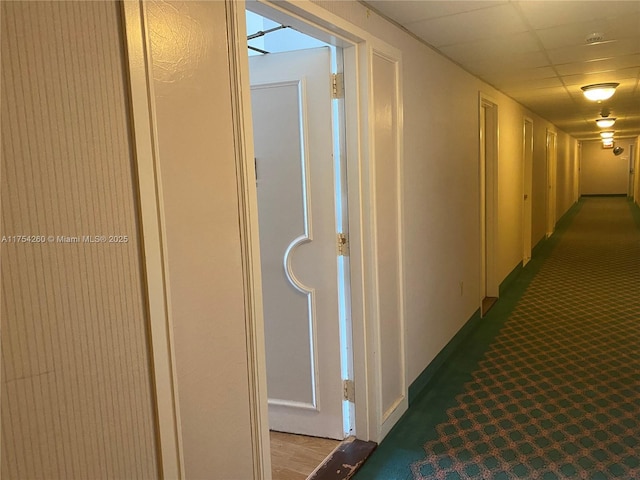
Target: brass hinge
x: 337, y: 85
x: 343, y: 245
x: 349, y: 391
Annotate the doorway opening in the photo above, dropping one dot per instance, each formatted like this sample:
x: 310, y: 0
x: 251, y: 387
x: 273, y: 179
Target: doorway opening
x: 488, y: 202
x: 298, y: 110
x: 551, y: 182
x: 634, y: 156
x: 527, y: 169
x: 632, y: 170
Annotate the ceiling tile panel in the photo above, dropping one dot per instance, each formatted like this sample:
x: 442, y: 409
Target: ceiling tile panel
x: 582, y: 53
x: 523, y: 74
x: 626, y: 78
x: 502, y: 46
x: 547, y: 14
x: 601, y: 66
x: 501, y: 66
x: 576, y: 33
x: 537, y: 52
x: 405, y: 12
x: 478, y: 25
x: 513, y: 88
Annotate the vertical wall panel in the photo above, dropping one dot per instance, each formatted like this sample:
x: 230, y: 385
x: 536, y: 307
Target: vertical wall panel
x: 194, y: 118
x: 385, y: 85
x: 76, y: 388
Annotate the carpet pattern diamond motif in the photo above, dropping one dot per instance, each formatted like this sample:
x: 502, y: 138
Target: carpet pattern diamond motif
x: 557, y: 394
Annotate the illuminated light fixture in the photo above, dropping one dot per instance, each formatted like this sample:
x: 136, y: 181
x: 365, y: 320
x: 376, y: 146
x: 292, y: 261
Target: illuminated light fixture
x: 599, y: 91
x: 605, y: 122
x: 608, y: 134
x: 607, y: 141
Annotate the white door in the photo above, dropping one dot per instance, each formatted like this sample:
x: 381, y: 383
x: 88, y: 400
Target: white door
x: 551, y: 182
x: 489, y: 287
x: 527, y: 187
x: 291, y: 105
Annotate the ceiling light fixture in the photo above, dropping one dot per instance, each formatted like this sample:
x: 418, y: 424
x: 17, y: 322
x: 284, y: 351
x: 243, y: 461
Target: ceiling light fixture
x: 599, y: 91
x: 607, y: 143
x: 605, y: 122
x: 594, y: 38
x: 608, y: 134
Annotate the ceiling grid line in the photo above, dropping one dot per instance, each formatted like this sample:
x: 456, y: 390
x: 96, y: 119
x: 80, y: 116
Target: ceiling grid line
x: 539, y: 53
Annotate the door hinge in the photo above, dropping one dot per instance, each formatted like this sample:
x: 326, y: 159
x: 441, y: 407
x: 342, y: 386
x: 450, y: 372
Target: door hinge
x: 343, y: 245
x: 349, y: 391
x: 337, y: 85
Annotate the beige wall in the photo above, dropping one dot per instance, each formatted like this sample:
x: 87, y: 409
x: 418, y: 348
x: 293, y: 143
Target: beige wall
x: 441, y: 187
x: 200, y: 197
x: 76, y: 388
x: 566, y: 177
x: 603, y: 172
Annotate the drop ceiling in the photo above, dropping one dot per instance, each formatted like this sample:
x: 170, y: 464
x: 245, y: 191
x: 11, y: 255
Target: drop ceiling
x: 539, y: 52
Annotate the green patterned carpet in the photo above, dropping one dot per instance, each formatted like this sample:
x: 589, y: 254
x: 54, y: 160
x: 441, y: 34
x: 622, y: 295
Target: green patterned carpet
x: 554, y: 391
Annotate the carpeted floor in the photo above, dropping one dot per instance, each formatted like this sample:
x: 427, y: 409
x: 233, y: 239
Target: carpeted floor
x: 548, y: 386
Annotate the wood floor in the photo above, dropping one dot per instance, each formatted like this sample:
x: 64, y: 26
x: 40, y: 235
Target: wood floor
x: 295, y: 457
x: 487, y: 303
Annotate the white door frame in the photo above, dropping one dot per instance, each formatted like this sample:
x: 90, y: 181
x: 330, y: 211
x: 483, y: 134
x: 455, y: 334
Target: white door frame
x: 632, y: 173
x: 359, y: 47
x: 488, y: 201
x: 576, y: 172
x: 635, y: 162
x: 527, y: 184
x: 552, y: 148
x: 171, y: 460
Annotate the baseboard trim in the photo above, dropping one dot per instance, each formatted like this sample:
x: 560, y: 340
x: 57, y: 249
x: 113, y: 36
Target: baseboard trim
x: 635, y: 211
x: 542, y: 248
x: 604, y: 195
x: 509, y: 279
x: 420, y: 384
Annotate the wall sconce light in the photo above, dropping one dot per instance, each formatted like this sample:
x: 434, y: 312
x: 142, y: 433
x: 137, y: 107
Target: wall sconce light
x: 608, y: 134
x: 606, y: 122
x: 599, y: 91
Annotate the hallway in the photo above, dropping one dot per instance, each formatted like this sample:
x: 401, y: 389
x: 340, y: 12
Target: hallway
x: 548, y: 386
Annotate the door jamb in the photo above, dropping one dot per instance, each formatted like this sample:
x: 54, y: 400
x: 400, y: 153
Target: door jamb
x: 488, y: 181
x: 156, y: 281
x: 357, y: 45
x: 551, y: 164
x: 527, y: 182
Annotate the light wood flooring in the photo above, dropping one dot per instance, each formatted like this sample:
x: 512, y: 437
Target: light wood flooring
x: 487, y: 303
x: 295, y: 457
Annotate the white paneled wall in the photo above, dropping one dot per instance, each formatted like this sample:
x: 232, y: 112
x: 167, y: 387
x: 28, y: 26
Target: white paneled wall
x: 76, y: 390
x: 387, y: 170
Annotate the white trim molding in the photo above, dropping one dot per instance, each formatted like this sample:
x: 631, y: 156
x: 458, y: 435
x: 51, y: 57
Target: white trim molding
x: 387, y: 306
x: 249, y: 228
x: 488, y: 194
x: 372, y: 423
x: 171, y: 460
